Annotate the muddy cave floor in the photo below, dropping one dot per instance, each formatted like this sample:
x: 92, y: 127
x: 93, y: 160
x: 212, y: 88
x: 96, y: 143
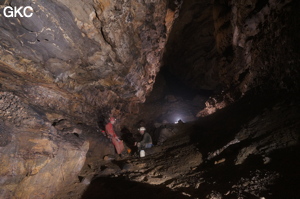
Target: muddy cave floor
x: 242, y: 151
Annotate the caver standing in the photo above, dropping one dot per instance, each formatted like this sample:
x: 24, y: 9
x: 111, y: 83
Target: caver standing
x: 109, y: 130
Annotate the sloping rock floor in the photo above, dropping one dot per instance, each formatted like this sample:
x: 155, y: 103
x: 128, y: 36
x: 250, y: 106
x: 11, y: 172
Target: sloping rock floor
x: 248, y: 150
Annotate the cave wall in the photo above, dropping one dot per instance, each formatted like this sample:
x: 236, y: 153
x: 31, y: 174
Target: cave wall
x: 191, y: 52
x: 264, y: 42
x: 262, y: 55
x: 60, y: 69
x: 72, y: 57
x: 36, y: 158
x: 234, y: 47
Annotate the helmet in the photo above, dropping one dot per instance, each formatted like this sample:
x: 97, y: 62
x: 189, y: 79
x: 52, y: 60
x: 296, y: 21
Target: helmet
x: 142, y: 128
x: 112, y: 119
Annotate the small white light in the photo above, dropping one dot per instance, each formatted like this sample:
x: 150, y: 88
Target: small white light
x: 177, y: 121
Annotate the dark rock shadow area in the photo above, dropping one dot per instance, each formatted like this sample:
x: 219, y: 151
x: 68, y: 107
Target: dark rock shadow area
x: 113, y: 188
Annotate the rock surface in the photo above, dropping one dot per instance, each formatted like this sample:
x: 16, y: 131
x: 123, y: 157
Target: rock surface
x: 233, y: 47
x: 74, y: 57
x: 76, y: 62
x: 36, y: 160
x: 58, y: 70
x: 191, y: 52
x: 183, y: 168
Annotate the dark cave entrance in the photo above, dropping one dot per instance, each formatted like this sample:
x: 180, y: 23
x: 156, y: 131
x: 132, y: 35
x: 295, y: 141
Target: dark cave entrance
x: 186, y: 78
x: 176, y: 87
x: 172, y: 100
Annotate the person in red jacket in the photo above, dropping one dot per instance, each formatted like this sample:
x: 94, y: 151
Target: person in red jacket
x: 109, y: 130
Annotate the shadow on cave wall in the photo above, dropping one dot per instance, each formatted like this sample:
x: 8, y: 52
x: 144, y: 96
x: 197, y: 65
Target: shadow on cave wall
x: 113, y: 188
x: 216, y: 130
x: 177, y: 87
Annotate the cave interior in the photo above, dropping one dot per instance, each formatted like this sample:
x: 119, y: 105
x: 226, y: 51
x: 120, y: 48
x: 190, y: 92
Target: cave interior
x: 214, y: 82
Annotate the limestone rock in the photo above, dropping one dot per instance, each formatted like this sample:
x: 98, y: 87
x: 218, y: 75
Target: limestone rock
x: 83, y: 55
x: 61, y: 170
x: 232, y: 47
x: 58, y: 70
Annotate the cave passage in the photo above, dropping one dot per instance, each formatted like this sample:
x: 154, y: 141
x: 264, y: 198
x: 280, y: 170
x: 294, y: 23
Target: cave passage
x: 171, y: 100
x: 239, y: 133
x: 232, y: 153
x: 176, y: 87
x: 215, y: 83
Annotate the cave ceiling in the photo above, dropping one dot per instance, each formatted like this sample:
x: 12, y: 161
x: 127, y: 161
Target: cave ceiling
x: 75, y: 58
